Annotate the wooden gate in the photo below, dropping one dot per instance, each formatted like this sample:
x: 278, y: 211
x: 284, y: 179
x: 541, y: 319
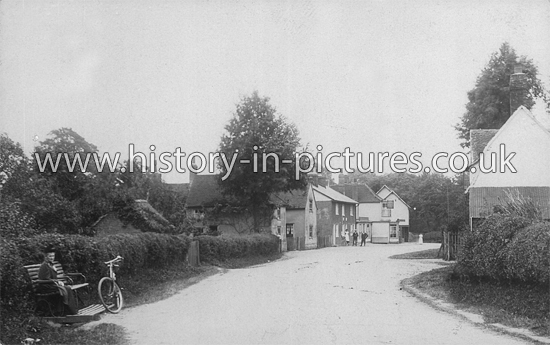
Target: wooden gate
x: 193, y: 254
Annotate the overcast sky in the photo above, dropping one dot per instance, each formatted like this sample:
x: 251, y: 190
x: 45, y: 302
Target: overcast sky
x: 370, y: 75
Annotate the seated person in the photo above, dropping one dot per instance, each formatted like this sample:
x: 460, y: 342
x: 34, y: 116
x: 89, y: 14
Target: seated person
x: 47, y: 272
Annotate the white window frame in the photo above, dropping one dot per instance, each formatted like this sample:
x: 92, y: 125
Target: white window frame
x: 388, y: 204
x: 393, y: 231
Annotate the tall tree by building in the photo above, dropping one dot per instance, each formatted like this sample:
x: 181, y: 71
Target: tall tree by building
x: 488, y: 104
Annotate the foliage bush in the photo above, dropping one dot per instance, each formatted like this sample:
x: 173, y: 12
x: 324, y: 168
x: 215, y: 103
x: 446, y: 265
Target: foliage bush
x: 527, y: 255
x: 220, y: 248
x: 432, y: 237
x: 15, y: 302
x: 506, y: 247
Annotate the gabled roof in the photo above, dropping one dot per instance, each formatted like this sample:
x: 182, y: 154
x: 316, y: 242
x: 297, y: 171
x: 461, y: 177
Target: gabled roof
x: 334, y: 195
x: 205, y: 192
x: 521, y: 111
x: 392, y: 192
x: 358, y: 192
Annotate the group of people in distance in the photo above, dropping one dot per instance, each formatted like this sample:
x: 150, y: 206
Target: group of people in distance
x: 354, y: 236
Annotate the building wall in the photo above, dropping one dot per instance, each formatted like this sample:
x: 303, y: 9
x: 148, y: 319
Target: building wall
x: 324, y: 218
x: 400, y: 211
x: 372, y: 210
x: 311, y: 220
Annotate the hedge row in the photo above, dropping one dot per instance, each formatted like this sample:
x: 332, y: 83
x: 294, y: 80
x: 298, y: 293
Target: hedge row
x: 81, y: 254
x: 221, y: 248
x: 507, y: 247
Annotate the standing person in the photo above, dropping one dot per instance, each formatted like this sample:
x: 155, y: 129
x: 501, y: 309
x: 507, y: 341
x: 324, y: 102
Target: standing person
x: 47, y: 272
x: 363, y: 238
x: 355, y: 237
x: 347, y: 237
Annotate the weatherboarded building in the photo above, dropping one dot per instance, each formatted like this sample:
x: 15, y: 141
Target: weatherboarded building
x: 526, y: 140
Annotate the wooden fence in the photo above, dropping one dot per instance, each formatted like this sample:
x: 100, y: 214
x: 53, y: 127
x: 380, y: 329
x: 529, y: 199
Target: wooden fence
x: 295, y: 243
x: 451, y: 244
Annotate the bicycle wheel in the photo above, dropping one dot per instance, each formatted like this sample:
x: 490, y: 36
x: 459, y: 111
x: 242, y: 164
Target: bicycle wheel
x: 110, y: 295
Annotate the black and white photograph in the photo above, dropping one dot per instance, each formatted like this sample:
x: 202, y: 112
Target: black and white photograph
x: 274, y: 172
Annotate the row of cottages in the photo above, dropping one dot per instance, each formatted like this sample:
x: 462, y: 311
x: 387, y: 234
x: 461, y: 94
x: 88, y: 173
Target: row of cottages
x: 336, y: 213
x: 384, y: 216
x: 304, y: 219
x: 528, y: 137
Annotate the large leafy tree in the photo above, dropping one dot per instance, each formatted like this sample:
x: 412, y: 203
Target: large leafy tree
x: 257, y: 128
x: 14, y: 168
x: 488, y: 104
x: 70, y: 144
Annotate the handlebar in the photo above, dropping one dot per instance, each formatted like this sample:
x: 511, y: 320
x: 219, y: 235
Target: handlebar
x: 115, y: 260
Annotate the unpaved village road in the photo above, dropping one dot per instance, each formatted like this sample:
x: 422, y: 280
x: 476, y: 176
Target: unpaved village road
x: 343, y: 295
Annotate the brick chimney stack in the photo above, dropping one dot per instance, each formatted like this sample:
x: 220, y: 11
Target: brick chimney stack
x: 313, y: 179
x: 518, y: 88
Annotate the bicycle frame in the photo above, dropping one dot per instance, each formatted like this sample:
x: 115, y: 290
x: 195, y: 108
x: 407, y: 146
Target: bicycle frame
x: 108, y: 290
x: 113, y: 263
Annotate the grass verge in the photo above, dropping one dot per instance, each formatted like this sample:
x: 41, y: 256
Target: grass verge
x: 423, y: 254
x: 150, y: 286
x: 512, y: 304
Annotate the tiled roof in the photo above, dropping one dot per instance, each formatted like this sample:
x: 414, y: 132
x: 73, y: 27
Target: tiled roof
x: 179, y: 187
x: 294, y: 199
x: 205, y: 191
x: 334, y: 195
x: 479, y: 138
x: 358, y: 192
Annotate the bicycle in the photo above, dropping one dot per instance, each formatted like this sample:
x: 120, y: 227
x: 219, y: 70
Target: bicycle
x: 108, y: 290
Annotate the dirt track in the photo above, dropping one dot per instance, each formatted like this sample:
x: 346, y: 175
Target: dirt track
x: 344, y: 295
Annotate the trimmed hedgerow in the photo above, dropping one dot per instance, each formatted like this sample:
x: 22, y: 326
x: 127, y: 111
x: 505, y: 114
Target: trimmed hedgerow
x: 77, y: 254
x: 526, y: 257
x: 220, y: 248
x: 507, y: 247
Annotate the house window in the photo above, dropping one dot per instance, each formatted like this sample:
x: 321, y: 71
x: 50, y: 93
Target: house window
x: 310, y: 231
x: 290, y: 230
x: 198, y: 214
x: 278, y: 230
x: 336, y: 208
x: 386, y: 212
x: 310, y: 205
x: 393, y: 231
x: 387, y: 204
x: 343, y: 214
x: 278, y: 213
x: 351, y: 210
